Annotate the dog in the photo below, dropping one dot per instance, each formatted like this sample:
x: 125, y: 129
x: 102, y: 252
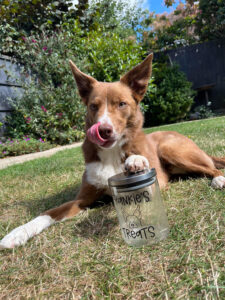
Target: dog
x: 115, y: 142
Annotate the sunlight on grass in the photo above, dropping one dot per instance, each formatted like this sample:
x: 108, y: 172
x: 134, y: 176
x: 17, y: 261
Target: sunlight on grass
x: 86, y: 258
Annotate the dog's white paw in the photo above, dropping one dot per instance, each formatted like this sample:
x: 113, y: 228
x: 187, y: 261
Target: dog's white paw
x: 17, y: 237
x: 218, y: 182
x: 21, y: 234
x: 136, y: 163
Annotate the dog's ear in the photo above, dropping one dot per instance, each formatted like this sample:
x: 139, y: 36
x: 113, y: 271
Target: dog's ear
x: 137, y: 78
x: 84, y: 82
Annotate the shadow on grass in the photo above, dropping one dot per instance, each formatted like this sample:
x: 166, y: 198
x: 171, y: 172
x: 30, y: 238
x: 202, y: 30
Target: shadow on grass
x: 40, y: 205
x: 96, y: 223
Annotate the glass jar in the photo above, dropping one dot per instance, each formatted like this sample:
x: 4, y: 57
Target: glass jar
x: 139, y: 207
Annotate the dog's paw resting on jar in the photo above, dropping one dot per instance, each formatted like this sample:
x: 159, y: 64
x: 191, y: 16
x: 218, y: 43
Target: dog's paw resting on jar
x: 136, y: 163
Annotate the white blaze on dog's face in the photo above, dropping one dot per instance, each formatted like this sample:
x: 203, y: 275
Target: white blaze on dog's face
x: 112, y: 107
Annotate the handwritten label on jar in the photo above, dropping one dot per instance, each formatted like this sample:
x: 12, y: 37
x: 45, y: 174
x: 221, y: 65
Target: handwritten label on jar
x: 142, y: 233
x: 134, y: 198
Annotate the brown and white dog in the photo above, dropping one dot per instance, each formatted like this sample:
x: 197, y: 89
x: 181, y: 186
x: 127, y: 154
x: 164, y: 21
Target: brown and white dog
x: 115, y: 141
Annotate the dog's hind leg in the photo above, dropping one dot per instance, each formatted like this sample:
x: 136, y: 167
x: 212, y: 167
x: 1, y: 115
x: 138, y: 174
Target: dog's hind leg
x: 219, y: 162
x: 19, y: 236
x: 183, y: 156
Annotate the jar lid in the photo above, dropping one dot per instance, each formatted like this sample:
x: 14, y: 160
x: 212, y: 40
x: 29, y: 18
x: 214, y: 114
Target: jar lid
x: 124, y: 180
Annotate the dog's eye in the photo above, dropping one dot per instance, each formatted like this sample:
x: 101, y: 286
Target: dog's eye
x: 93, y: 107
x: 122, y: 104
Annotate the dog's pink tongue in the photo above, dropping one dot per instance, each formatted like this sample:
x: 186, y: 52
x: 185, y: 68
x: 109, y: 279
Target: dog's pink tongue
x: 94, y: 136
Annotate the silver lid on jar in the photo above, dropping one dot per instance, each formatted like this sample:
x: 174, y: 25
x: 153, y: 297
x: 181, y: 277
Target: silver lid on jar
x: 136, y: 180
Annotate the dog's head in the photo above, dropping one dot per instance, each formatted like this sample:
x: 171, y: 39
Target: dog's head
x: 113, y: 108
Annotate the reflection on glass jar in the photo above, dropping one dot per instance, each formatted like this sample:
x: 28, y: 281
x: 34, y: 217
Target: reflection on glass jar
x: 139, y: 207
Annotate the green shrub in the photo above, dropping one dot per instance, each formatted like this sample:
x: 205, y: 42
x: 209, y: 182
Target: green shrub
x: 21, y: 17
x: 203, y: 112
x: 109, y: 56
x: 10, y: 39
x: 50, y: 106
x: 23, y: 146
x: 170, y: 98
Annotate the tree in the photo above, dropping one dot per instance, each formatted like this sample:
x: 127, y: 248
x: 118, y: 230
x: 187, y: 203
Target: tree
x: 28, y: 15
x: 210, y: 21
x: 120, y: 17
x: 174, y: 29
x: 21, y: 18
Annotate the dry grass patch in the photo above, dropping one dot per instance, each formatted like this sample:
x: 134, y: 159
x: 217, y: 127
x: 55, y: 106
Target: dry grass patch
x: 86, y: 258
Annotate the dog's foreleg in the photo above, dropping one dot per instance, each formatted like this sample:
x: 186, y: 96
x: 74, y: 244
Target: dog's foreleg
x: 20, y: 235
x: 136, y: 163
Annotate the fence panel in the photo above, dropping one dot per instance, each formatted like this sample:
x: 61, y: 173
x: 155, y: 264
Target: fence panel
x: 9, y: 88
x: 204, y: 66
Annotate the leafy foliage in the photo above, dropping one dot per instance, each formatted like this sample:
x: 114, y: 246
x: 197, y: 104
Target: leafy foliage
x: 203, y: 112
x: 191, y: 22
x: 174, y: 29
x: 23, y: 146
x: 171, y: 97
x: 50, y: 106
x: 121, y: 17
x: 109, y: 56
x: 210, y: 22
x: 21, y: 18
x: 175, y: 35
x: 28, y: 15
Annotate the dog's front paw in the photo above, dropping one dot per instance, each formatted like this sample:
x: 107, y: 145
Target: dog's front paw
x: 16, y: 237
x: 136, y: 163
x: 20, y: 235
x: 218, y: 182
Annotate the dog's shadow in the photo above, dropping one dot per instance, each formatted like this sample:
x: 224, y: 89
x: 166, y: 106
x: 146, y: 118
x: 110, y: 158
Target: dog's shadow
x: 97, y: 222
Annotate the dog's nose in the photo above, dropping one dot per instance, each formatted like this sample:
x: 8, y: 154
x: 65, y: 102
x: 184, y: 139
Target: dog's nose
x: 105, y: 131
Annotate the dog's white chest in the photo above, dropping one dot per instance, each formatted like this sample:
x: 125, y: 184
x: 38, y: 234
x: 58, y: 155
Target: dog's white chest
x: 98, y: 173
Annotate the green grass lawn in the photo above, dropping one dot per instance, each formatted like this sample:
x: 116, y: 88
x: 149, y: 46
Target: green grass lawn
x: 86, y: 258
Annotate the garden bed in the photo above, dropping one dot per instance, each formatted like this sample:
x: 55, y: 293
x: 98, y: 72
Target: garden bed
x: 26, y: 145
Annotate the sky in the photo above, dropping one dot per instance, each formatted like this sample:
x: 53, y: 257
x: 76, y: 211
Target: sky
x: 158, y: 6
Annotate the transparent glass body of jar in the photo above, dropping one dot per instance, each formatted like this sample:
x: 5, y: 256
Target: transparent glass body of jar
x: 139, y: 207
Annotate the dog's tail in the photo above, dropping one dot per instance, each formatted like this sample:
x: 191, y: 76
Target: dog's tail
x: 219, y: 162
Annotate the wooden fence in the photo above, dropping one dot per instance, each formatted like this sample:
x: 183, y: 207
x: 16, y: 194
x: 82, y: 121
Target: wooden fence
x: 9, y: 88
x: 204, y: 66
